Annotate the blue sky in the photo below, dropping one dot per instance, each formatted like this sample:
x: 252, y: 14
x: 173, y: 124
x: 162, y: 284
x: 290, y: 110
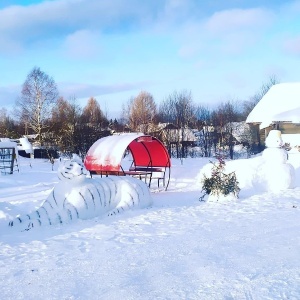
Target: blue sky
x: 112, y: 49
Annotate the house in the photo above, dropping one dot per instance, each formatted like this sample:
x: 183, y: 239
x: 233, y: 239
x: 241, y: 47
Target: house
x: 171, y: 134
x: 175, y: 138
x: 279, y: 109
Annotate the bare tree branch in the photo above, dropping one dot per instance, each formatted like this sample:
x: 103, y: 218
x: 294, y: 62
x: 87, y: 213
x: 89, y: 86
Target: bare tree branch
x: 38, y: 97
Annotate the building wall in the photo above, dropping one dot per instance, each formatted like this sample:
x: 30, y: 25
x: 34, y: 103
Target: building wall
x: 290, y: 132
x: 289, y: 128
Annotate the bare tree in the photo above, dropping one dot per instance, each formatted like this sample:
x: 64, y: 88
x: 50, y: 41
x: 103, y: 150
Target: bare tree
x: 166, y: 117
x: 66, y: 125
x: 223, y: 118
x: 178, y: 108
x: 142, y: 112
x: 94, y: 124
x: 205, y: 129
x: 185, y: 116
x: 254, y: 99
x: 92, y: 113
x: 38, y: 97
x: 8, y: 127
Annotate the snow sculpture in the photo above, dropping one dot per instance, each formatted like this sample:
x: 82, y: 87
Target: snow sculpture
x: 279, y: 175
x: 77, y: 196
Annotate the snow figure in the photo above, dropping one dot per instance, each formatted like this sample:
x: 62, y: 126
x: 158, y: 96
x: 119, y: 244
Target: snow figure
x: 77, y: 196
x: 278, y: 174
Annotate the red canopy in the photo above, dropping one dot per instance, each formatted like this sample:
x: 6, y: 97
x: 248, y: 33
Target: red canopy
x: 106, y: 153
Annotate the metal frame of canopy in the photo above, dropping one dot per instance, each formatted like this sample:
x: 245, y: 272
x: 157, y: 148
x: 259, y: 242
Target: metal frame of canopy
x: 150, y: 157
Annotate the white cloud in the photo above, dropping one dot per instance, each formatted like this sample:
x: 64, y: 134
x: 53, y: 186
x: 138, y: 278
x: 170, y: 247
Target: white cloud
x: 292, y: 45
x: 189, y: 50
x: 291, y: 8
x: 238, y: 19
x: 236, y: 80
x: 276, y: 70
x: 82, y: 44
x: 69, y: 15
x: 228, y: 32
x: 81, y: 90
x: 8, y: 95
x: 67, y: 18
x: 175, y: 10
x: 10, y: 46
x: 238, y: 42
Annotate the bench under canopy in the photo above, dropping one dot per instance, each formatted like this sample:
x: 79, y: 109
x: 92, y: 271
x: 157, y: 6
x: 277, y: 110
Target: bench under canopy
x: 106, y: 154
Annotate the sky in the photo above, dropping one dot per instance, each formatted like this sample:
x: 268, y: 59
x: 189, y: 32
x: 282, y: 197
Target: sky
x: 176, y: 247
x: 113, y: 49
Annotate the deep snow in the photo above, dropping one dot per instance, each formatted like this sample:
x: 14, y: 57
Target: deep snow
x: 179, y: 248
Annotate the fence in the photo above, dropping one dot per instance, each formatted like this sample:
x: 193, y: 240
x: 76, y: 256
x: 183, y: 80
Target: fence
x: 8, y: 160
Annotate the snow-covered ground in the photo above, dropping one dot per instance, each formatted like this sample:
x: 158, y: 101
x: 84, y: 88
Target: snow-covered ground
x: 179, y: 248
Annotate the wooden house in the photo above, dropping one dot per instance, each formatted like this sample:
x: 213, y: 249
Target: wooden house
x: 278, y: 109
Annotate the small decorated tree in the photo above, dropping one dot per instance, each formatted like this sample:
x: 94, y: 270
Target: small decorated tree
x: 219, y: 183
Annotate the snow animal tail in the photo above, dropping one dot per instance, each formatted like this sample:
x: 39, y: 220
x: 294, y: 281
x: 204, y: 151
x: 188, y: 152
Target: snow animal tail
x: 54, y: 209
x: 48, y: 214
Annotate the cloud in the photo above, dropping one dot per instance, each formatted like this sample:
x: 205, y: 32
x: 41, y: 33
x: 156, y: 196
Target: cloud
x: 189, y: 50
x: 292, y: 45
x: 236, y: 80
x: 275, y: 70
x: 10, y: 46
x: 238, y: 19
x: 22, y: 26
x: 54, y: 19
x: 82, y: 44
x: 8, y: 95
x: 67, y: 89
x: 227, y: 32
x: 175, y: 11
x: 291, y: 8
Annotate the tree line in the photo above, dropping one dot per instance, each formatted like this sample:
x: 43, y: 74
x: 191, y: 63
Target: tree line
x: 61, y: 123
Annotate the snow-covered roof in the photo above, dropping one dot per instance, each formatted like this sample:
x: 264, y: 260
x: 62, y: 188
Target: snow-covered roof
x: 7, y: 144
x: 25, y: 145
x: 280, y: 103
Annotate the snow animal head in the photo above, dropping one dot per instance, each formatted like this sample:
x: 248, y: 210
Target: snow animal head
x: 274, y: 139
x: 72, y: 169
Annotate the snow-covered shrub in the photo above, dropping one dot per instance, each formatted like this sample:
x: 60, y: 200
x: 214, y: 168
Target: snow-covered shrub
x: 219, y: 183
